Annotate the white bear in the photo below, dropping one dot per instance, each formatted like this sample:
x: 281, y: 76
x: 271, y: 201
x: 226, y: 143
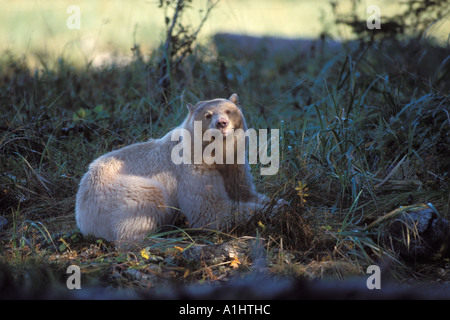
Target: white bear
x: 128, y: 193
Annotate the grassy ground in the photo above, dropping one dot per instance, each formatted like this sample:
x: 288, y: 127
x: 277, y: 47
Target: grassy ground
x: 362, y: 133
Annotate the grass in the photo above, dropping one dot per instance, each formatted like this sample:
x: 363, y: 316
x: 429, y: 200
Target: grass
x: 110, y: 28
x: 362, y: 133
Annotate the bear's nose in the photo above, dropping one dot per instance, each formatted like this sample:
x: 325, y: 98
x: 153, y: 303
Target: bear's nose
x: 221, y: 123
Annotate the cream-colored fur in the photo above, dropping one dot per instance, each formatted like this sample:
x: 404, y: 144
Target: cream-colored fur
x: 130, y: 192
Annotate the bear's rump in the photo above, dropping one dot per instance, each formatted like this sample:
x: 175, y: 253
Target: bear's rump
x: 129, y: 208
x: 142, y: 206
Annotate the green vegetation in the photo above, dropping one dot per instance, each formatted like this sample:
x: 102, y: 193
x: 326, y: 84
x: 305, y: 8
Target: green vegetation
x: 363, y: 132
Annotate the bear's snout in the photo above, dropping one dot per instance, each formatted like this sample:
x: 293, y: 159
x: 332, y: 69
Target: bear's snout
x: 222, y: 123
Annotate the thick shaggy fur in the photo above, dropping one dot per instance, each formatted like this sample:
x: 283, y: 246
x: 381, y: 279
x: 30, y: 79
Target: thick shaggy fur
x: 130, y: 192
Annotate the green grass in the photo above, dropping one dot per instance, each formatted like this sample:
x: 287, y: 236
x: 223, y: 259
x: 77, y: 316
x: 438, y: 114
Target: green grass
x: 110, y: 28
x: 365, y: 131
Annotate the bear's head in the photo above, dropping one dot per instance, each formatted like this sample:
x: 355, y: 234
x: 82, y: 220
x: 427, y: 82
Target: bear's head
x: 216, y: 127
x: 221, y: 114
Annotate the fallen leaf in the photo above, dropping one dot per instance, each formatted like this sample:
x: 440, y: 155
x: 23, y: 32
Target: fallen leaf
x: 235, y: 262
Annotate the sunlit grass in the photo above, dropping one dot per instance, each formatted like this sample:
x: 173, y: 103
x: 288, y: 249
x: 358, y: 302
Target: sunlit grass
x: 37, y: 29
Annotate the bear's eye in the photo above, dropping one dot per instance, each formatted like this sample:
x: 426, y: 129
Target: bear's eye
x: 208, y: 116
x: 228, y: 111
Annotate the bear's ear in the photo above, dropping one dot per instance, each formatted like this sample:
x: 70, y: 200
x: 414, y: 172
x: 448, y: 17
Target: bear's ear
x: 234, y: 98
x: 190, y: 107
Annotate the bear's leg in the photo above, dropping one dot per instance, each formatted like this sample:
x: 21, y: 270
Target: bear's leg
x: 141, y: 206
